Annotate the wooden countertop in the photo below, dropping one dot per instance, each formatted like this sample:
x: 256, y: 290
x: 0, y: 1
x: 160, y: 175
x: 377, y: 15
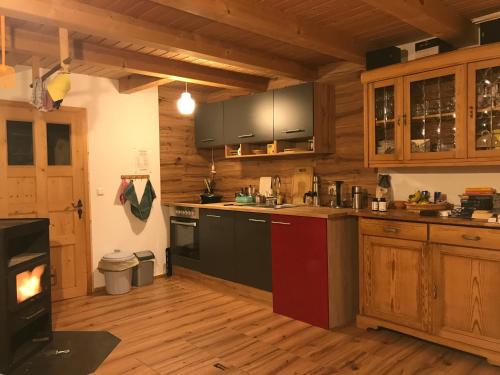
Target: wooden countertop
x: 404, y: 215
x: 330, y: 213
x: 307, y: 211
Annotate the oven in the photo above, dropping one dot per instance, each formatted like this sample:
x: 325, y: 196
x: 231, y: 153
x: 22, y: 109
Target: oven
x: 184, y: 237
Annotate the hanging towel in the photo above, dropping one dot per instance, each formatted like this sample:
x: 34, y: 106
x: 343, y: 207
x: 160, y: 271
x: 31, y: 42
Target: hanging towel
x: 143, y: 209
x: 121, y: 191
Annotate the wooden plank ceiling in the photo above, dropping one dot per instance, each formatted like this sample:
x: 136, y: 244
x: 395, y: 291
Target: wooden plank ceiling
x: 242, y: 45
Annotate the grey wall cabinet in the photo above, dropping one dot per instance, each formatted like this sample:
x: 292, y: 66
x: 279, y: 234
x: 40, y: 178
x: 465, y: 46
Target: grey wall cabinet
x: 217, y: 243
x: 249, y: 119
x: 294, y: 112
x: 209, y: 125
x: 253, y: 250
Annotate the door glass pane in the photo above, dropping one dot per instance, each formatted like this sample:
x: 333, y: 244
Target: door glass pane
x: 58, y: 144
x: 433, y: 116
x: 384, y: 120
x: 488, y: 109
x: 19, y: 142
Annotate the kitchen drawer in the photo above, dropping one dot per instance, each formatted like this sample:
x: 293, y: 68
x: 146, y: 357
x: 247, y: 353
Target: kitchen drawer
x: 394, y: 229
x: 465, y: 236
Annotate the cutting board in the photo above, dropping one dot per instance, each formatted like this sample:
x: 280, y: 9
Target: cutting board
x: 302, y: 181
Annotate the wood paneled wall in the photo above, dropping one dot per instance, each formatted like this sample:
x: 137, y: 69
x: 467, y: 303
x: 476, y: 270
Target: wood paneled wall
x: 183, y: 167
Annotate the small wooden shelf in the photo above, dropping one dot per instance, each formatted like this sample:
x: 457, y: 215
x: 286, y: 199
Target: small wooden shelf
x: 274, y: 149
x: 381, y: 122
x: 437, y: 115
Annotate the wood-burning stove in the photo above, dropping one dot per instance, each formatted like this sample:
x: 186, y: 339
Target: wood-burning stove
x: 25, y: 302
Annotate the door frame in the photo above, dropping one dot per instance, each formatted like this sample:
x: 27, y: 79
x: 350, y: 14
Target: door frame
x: 81, y: 114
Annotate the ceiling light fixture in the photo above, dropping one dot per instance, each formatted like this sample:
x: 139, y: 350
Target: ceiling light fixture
x: 186, y: 104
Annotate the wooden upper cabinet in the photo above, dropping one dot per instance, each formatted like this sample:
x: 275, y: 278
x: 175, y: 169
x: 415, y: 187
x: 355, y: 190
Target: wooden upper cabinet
x: 385, y: 118
x: 249, y: 119
x: 294, y: 112
x: 434, y: 113
x: 393, y: 281
x: 209, y: 127
x: 450, y: 110
x: 484, y: 109
x: 466, y: 295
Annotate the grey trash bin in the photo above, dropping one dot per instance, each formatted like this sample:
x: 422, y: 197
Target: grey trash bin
x: 117, y: 268
x: 143, y: 273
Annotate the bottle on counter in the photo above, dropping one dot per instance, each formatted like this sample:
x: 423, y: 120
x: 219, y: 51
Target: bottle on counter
x: 382, y: 205
x: 375, y: 204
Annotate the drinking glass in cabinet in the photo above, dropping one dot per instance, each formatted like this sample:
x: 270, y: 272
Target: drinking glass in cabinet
x: 432, y: 106
x: 384, y: 120
x: 488, y: 109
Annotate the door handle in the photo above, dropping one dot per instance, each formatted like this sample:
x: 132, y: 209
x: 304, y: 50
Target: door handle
x: 280, y: 223
x: 256, y: 220
x: 186, y: 224
x: 391, y: 230
x: 289, y: 131
x: 246, y: 135
x: 79, y: 208
x: 214, y: 216
x: 206, y: 140
x: 470, y: 238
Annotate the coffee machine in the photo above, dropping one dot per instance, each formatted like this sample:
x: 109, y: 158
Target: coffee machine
x: 335, y: 192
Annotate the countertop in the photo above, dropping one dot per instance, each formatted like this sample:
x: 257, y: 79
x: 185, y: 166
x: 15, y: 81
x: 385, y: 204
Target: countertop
x: 404, y: 215
x: 307, y: 211
x: 331, y: 213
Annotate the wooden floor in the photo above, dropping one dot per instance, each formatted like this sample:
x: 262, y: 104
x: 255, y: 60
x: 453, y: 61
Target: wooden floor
x: 177, y: 326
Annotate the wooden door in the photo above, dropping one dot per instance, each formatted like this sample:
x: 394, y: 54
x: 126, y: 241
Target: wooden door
x: 434, y: 111
x: 484, y: 109
x: 467, y: 295
x: 385, y: 118
x: 393, y: 281
x: 43, y: 161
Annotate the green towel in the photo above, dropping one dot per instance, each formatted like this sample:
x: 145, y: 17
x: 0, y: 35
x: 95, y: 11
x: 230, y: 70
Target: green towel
x: 143, y: 209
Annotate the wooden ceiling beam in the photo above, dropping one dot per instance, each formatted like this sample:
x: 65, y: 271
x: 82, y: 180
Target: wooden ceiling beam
x: 34, y: 43
x: 88, y: 19
x: 433, y: 17
x: 273, y: 23
x: 135, y: 82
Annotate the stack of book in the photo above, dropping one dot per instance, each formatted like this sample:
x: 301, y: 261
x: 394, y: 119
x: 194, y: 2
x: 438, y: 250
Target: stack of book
x: 479, y: 191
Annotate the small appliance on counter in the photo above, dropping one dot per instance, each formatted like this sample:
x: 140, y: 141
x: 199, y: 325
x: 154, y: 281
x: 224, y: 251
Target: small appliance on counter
x: 335, y: 192
x: 358, y: 197
x: 210, y: 198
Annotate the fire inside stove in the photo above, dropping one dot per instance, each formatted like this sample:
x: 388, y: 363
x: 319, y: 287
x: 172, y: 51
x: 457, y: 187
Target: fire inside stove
x: 29, y: 283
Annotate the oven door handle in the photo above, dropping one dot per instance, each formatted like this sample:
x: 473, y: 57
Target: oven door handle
x: 191, y: 224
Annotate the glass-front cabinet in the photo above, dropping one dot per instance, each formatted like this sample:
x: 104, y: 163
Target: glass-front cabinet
x: 484, y: 109
x: 384, y: 119
x: 435, y: 124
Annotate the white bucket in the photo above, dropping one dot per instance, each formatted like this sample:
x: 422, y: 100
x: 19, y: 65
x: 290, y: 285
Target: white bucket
x: 118, y: 282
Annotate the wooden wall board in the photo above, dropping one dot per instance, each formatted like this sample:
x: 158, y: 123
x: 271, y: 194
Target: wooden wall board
x: 183, y: 167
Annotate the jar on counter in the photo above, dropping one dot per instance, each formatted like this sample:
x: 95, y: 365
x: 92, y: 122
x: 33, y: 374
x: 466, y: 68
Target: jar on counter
x: 375, y: 204
x: 382, y: 205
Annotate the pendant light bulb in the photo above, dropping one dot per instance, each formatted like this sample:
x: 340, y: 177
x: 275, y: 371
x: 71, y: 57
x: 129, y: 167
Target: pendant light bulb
x: 186, y: 104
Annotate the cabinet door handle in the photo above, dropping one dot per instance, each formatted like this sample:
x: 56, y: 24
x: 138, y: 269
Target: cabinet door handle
x: 186, y: 224
x: 290, y: 131
x: 206, y: 140
x: 280, y: 223
x: 391, y: 230
x: 257, y: 221
x: 470, y: 238
x: 35, y: 314
x: 246, y: 135
x: 214, y: 216
x: 399, y: 121
x: 471, y: 111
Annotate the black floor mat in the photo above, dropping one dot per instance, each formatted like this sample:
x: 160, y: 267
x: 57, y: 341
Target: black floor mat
x: 87, y: 350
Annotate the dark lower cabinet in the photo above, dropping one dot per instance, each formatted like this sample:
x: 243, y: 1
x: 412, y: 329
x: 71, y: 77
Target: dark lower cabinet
x: 236, y: 246
x: 253, y: 250
x: 217, y: 243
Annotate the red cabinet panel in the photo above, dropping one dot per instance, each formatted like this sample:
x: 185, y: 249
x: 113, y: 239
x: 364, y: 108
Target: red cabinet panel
x: 300, y: 268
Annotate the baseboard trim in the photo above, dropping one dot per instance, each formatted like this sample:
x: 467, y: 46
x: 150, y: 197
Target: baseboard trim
x: 228, y: 287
